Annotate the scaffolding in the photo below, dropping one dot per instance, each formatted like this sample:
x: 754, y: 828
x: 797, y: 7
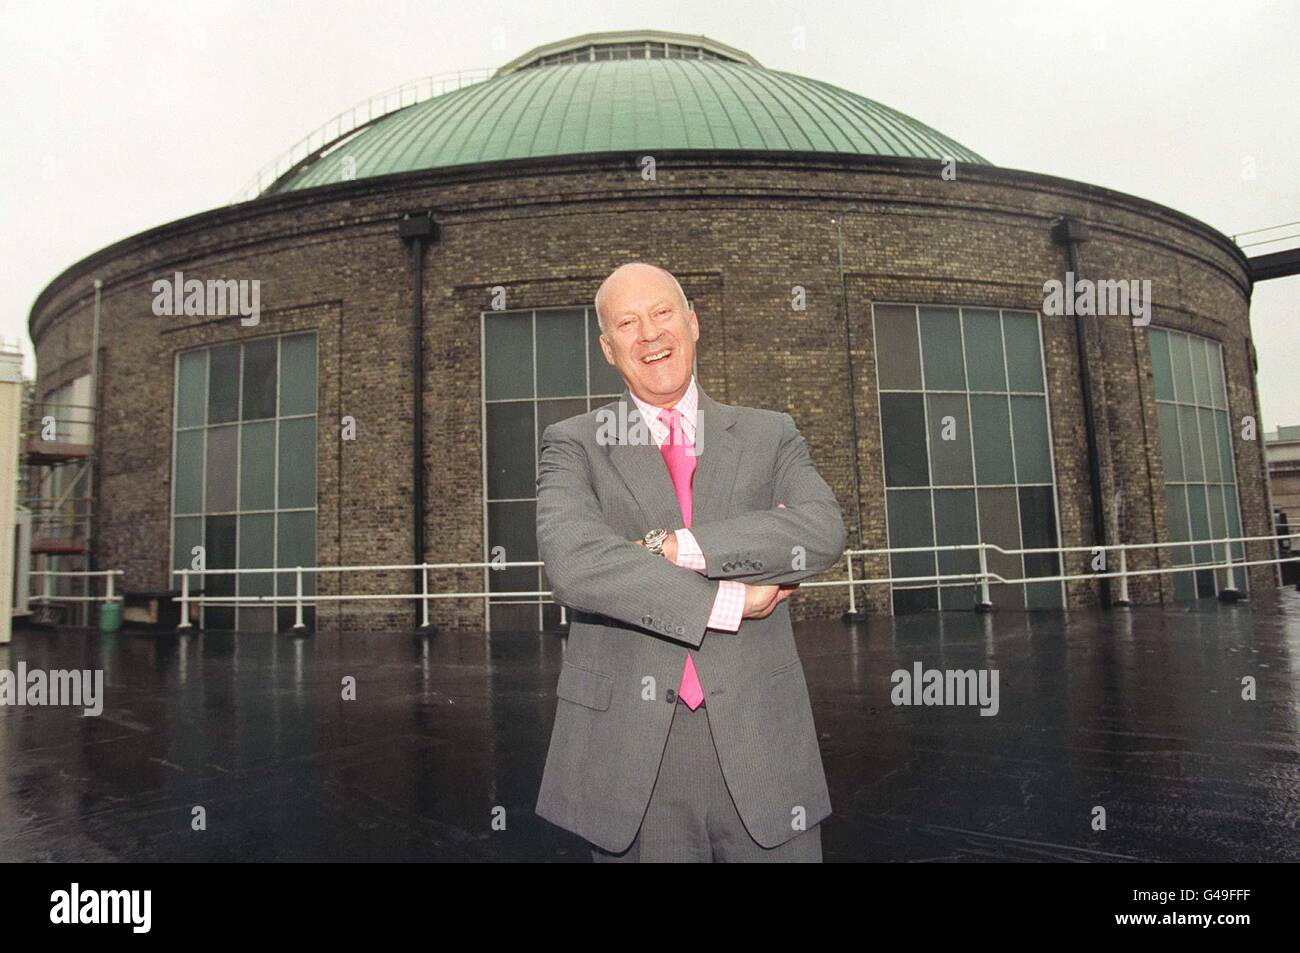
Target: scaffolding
x: 57, y: 444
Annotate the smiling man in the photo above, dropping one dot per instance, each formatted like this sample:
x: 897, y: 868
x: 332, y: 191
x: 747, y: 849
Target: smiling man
x: 683, y: 730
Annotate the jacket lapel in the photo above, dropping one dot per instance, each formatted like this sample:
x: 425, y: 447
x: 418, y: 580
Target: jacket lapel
x: 719, y: 456
x: 641, y: 465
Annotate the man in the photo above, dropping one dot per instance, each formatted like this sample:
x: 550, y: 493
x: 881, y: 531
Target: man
x: 675, y: 527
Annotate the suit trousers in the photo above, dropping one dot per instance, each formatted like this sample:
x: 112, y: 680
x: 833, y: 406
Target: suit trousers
x: 691, y: 816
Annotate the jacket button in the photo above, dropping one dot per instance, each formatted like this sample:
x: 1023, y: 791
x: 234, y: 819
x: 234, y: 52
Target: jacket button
x: 671, y: 697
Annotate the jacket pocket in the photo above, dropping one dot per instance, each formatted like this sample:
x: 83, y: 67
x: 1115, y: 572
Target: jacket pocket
x: 585, y: 687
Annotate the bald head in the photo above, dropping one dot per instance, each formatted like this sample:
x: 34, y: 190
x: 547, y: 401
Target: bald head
x: 648, y: 331
x: 633, y: 273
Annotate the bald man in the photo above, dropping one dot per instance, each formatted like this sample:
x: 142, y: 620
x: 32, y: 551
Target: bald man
x: 676, y: 527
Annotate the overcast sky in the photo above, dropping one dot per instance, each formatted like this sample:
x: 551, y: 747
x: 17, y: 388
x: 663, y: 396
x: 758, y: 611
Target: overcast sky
x: 123, y: 116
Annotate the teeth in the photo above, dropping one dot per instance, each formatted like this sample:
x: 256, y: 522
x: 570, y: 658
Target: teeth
x: 650, y: 358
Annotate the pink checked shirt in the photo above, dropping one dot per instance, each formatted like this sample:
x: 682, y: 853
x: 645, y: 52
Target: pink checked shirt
x: 729, y: 605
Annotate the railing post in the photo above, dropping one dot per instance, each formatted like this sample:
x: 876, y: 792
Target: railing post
x: 853, y: 615
x: 984, y: 604
x: 108, y: 586
x: 1123, y: 601
x: 425, y: 627
x: 299, y: 627
x: 184, y: 624
x: 1231, y: 593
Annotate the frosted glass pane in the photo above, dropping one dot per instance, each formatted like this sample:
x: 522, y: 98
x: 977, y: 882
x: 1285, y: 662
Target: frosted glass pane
x: 191, y: 389
x: 298, y: 375
x: 223, y: 384
x: 189, y: 471
x: 1024, y: 359
x: 508, y: 355
x: 985, y: 366
x: 941, y: 349
x: 222, y: 459
x: 297, y: 458
x: 1029, y: 428
x: 1170, y: 448
x: 949, y: 425
x: 1162, y: 370
x: 256, y: 551
x: 991, y: 425
x: 902, y: 418
x: 187, y: 533
x: 257, y: 466
x: 898, y: 353
x: 561, y: 354
x: 259, y: 380
x: 295, y: 542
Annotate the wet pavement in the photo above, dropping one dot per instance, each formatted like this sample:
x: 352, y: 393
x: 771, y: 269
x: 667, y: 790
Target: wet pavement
x: 1138, y: 712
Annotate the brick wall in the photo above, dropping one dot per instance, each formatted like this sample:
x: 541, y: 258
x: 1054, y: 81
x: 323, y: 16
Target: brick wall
x: 739, y: 232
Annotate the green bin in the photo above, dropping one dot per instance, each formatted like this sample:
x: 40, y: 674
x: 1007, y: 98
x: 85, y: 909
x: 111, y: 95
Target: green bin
x: 110, y: 616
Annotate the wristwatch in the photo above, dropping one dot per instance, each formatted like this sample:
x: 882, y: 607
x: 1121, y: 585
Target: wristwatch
x: 654, y: 541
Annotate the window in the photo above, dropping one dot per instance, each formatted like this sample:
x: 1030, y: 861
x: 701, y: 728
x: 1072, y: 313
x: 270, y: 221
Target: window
x: 1196, y: 446
x: 539, y: 367
x: 967, y: 451
x: 244, y: 472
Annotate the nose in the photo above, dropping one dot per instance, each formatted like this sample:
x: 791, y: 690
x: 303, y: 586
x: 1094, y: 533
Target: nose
x: 649, y: 331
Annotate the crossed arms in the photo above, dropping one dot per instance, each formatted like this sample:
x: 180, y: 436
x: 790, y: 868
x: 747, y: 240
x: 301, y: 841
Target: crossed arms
x: 592, y: 568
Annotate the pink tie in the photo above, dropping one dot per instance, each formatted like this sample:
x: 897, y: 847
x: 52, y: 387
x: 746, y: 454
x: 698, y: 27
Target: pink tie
x: 681, y: 468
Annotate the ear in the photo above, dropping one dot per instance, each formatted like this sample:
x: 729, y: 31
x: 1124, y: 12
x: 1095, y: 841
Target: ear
x: 695, y: 326
x: 606, y: 349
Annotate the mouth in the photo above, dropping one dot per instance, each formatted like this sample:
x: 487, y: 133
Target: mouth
x: 658, y: 356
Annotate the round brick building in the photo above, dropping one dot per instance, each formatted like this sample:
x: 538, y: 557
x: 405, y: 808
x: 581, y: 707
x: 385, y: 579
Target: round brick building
x: 354, y: 367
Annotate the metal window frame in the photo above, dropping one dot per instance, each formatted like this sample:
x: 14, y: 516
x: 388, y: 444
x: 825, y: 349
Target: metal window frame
x: 1178, y: 401
x: 975, y: 486
x: 238, y: 423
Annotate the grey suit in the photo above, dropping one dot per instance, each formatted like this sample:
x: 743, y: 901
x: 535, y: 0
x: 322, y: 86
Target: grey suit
x: 636, y: 615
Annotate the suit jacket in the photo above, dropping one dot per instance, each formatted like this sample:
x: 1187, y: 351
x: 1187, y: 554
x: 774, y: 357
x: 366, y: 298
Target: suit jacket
x: 636, y: 615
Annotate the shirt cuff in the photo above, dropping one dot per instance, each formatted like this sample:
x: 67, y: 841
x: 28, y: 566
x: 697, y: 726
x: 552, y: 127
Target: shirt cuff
x: 728, y: 606
x: 689, y: 554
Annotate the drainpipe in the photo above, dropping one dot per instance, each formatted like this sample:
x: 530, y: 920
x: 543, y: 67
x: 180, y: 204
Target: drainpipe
x: 1072, y: 233
x: 417, y: 229
x: 853, y: 403
x: 92, y: 473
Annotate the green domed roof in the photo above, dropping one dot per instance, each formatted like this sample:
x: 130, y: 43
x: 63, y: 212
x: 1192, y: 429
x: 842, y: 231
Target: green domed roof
x: 627, y: 105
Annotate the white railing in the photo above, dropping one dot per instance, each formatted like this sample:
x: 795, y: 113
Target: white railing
x: 983, y: 577
x: 350, y: 120
x: 48, y: 596
x: 1123, y: 573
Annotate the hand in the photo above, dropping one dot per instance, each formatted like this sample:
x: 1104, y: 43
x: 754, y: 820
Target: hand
x: 761, y: 601
x: 670, y: 548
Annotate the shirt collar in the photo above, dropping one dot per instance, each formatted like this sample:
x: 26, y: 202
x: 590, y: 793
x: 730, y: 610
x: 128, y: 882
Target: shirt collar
x: 687, y: 407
